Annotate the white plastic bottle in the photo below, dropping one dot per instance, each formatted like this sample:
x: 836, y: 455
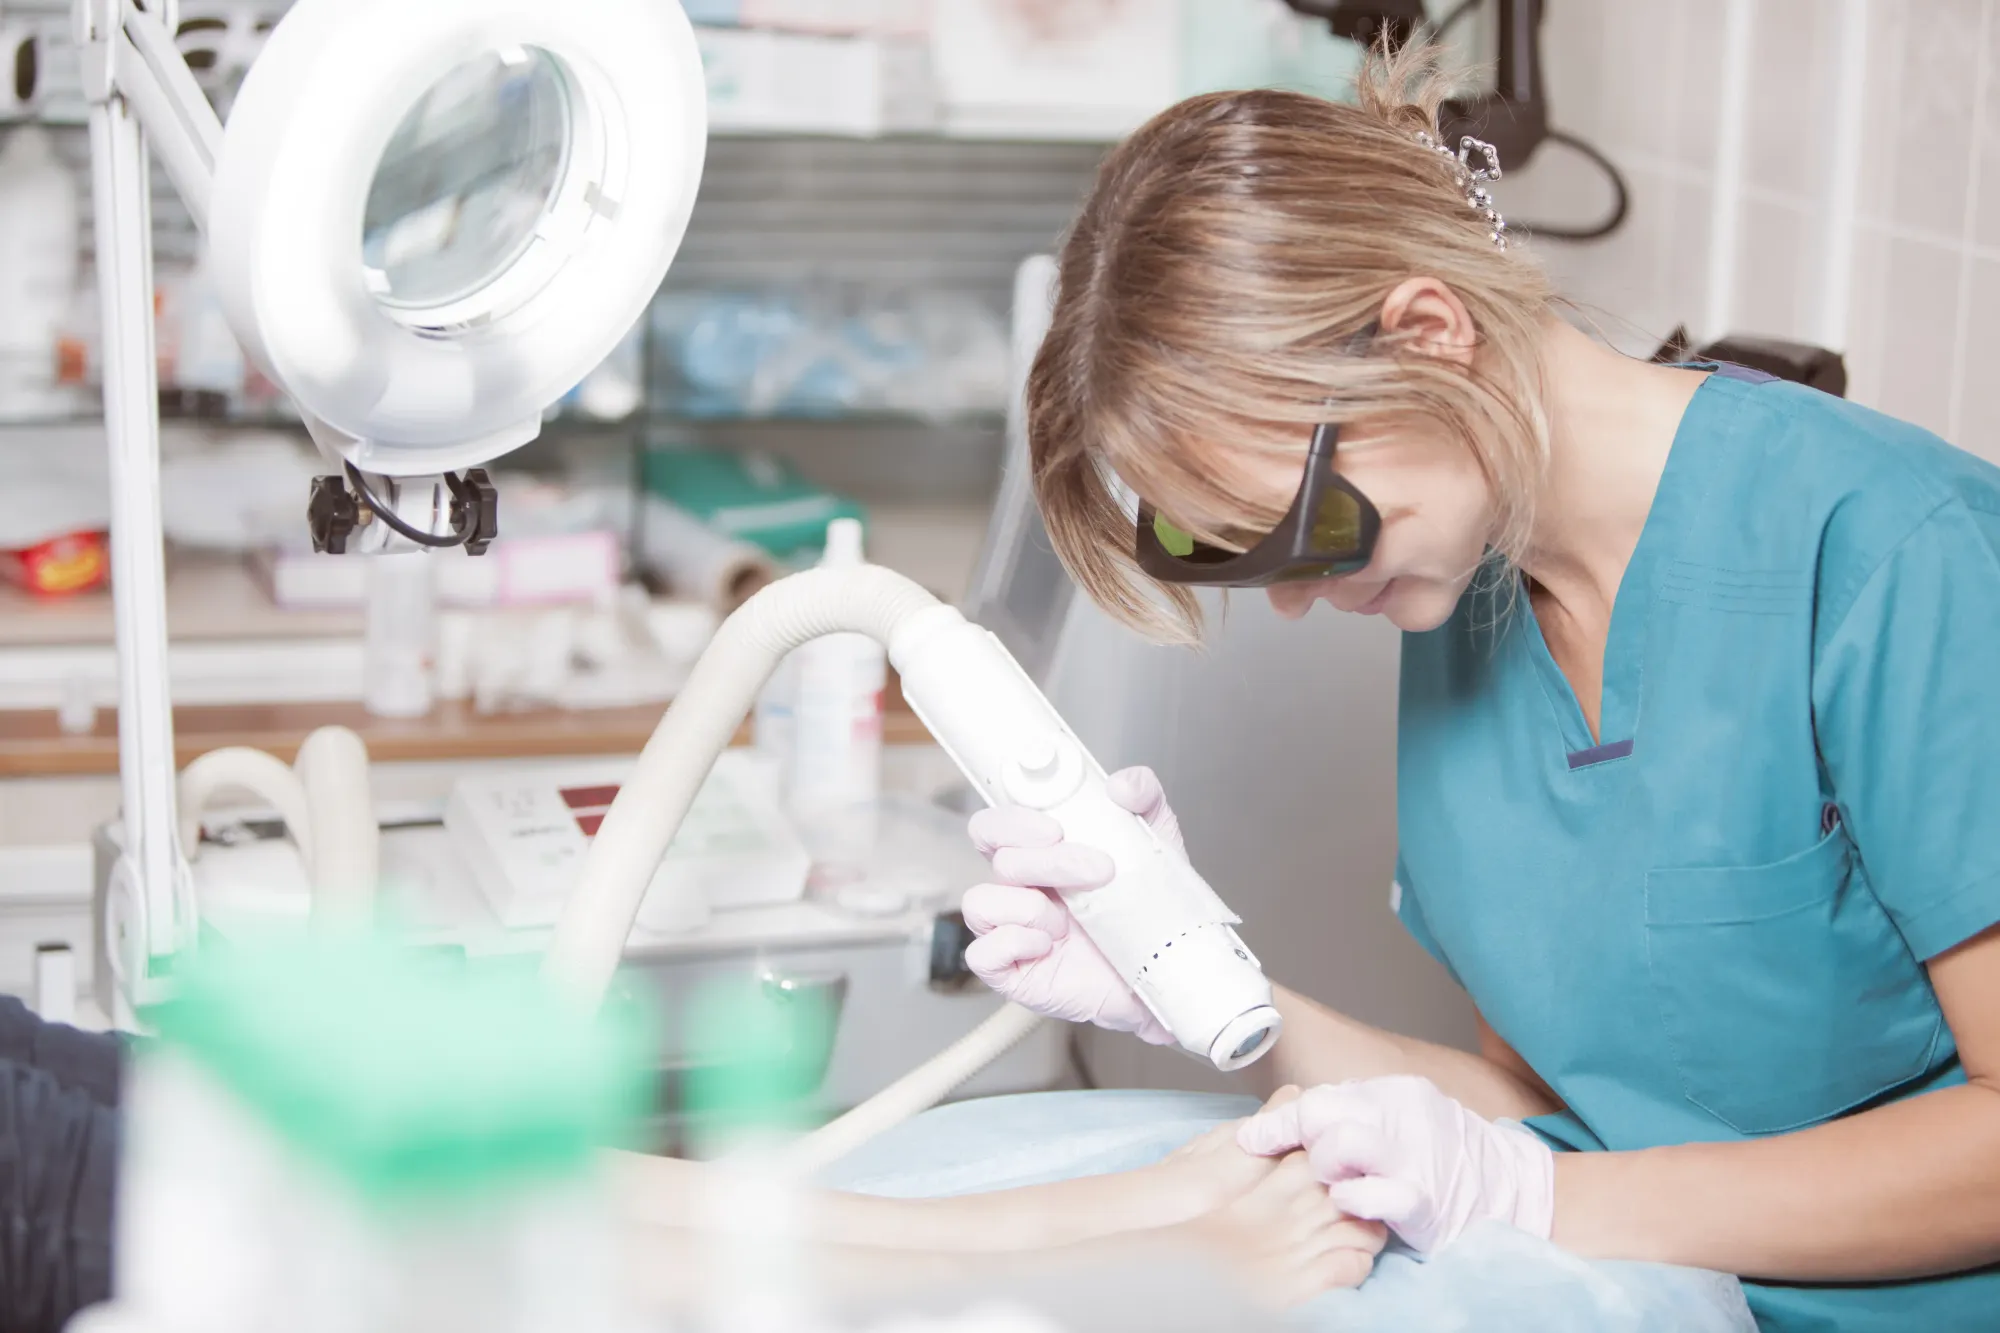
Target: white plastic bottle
x: 771, y: 721
x: 38, y: 269
x: 399, y: 636
x: 836, y: 769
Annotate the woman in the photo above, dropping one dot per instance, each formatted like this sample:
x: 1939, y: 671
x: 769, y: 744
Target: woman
x: 1699, y: 742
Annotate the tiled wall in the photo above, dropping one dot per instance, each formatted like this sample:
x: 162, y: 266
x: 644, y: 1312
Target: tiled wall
x: 1610, y: 66
x: 1645, y: 80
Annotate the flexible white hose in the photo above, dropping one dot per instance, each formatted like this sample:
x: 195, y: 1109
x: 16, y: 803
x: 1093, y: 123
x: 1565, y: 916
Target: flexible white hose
x: 916, y: 1091
x: 239, y: 769
x: 595, y: 922
x: 591, y: 933
x: 345, y: 860
x: 326, y: 803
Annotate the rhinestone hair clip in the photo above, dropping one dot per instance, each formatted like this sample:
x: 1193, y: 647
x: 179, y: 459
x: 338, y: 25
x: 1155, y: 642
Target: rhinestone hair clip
x: 1473, y: 179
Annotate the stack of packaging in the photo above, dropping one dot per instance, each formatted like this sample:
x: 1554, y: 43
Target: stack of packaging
x: 818, y: 349
x: 850, y: 67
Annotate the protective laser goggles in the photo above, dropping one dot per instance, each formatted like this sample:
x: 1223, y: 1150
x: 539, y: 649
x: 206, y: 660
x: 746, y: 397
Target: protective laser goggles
x: 1330, y: 530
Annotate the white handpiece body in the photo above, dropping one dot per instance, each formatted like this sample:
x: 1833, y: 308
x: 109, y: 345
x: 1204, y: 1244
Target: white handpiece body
x: 1157, y: 922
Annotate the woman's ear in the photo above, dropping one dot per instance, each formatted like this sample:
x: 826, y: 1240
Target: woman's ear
x: 1430, y: 319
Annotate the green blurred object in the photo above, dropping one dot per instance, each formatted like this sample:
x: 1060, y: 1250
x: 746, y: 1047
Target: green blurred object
x: 412, y: 1074
x: 758, y: 1057
x: 752, y: 497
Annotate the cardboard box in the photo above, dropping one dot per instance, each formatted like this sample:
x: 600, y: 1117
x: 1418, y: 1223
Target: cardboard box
x: 767, y: 82
x: 1082, y: 69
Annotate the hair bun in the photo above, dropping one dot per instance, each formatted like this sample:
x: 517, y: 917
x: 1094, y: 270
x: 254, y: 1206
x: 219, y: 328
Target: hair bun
x: 1404, y: 87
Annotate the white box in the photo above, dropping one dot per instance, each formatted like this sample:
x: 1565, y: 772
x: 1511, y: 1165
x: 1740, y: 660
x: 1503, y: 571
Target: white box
x: 1086, y: 69
x: 763, y: 82
x: 525, y: 835
x: 901, y: 18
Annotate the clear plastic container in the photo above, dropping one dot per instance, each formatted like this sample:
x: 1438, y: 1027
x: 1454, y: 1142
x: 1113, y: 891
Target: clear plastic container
x: 331, y: 1137
x: 224, y: 1228
x: 399, y: 641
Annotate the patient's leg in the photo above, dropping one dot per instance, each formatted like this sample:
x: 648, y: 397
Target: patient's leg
x: 1193, y: 1181
x: 1279, y: 1236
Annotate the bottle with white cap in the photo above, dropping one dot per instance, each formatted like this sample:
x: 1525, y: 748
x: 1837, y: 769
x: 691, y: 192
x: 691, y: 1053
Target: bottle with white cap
x: 836, y: 768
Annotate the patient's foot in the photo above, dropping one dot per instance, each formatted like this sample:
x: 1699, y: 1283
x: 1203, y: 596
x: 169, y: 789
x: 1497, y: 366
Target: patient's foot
x: 1285, y: 1240
x: 1210, y: 1171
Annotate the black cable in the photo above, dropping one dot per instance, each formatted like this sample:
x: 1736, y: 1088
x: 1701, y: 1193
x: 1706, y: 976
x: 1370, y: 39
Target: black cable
x: 1620, y: 204
x: 461, y: 534
x: 1622, y: 195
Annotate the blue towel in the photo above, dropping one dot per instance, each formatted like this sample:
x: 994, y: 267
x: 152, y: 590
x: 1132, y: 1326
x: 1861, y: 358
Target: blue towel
x: 1495, y: 1279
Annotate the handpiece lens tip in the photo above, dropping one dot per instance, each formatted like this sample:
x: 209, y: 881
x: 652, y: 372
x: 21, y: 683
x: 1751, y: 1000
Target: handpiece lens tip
x: 1250, y: 1044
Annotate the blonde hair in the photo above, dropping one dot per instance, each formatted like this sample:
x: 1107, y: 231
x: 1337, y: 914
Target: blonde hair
x: 1209, y: 294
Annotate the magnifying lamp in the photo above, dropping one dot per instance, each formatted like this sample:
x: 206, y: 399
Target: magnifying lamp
x: 426, y: 222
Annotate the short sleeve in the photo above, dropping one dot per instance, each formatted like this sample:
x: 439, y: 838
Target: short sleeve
x: 1906, y: 706
x: 1404, y: 903
x: 1563, y: 1131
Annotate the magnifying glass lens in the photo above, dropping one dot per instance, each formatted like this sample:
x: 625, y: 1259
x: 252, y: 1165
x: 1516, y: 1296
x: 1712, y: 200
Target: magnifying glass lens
x: 465, y: 181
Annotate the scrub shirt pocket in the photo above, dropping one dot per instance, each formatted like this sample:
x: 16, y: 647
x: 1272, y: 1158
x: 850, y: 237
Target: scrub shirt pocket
x: 1786, y: 991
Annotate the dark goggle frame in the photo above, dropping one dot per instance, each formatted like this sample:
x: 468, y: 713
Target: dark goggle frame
x: 1330, y: 530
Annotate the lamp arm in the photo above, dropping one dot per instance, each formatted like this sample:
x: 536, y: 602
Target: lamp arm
x: 129, y: 55
x: 181, y: 126
x: 136, y: 81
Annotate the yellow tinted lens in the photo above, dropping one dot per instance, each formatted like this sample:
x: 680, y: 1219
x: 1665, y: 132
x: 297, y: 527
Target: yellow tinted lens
x: 1336, y: 523
x: 1172, y: 540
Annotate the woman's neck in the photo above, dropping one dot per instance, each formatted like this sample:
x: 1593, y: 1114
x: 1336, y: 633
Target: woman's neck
x: 1611, y: 426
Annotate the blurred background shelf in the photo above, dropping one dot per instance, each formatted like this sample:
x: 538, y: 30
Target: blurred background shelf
x: 32, y: 745
x: 880, y: 458
x: 890, y: 230
x: 217, y: 596
x: 947, y: 72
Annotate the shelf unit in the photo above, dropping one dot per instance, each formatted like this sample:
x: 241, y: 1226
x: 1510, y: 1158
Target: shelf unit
x: 900, y: 213
x: 890, y: 214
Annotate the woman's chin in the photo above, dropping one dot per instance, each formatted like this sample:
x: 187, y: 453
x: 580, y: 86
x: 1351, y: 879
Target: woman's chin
x: 1418, y: 608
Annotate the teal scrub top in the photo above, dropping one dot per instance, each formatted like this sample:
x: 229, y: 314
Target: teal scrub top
x: 1709, y: 922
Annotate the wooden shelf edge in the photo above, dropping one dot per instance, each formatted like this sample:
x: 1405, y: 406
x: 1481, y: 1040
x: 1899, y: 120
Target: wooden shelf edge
x: 32, y: 746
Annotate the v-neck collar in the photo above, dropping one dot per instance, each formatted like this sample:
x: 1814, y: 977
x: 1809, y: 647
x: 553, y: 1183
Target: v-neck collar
x: 1631, y: 611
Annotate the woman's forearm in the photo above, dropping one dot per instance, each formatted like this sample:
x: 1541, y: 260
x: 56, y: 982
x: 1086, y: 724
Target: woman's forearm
x: 1906, y: 1190
x: 1321, y: 1046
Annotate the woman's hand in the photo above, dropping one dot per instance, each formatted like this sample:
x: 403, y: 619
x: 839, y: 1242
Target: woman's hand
x: 1399, y: 1151
x: 1029, y: 948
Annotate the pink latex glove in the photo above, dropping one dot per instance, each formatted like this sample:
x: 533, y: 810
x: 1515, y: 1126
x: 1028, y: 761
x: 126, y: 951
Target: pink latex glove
x: 1029, y: 948
x: 1397, y: 1150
